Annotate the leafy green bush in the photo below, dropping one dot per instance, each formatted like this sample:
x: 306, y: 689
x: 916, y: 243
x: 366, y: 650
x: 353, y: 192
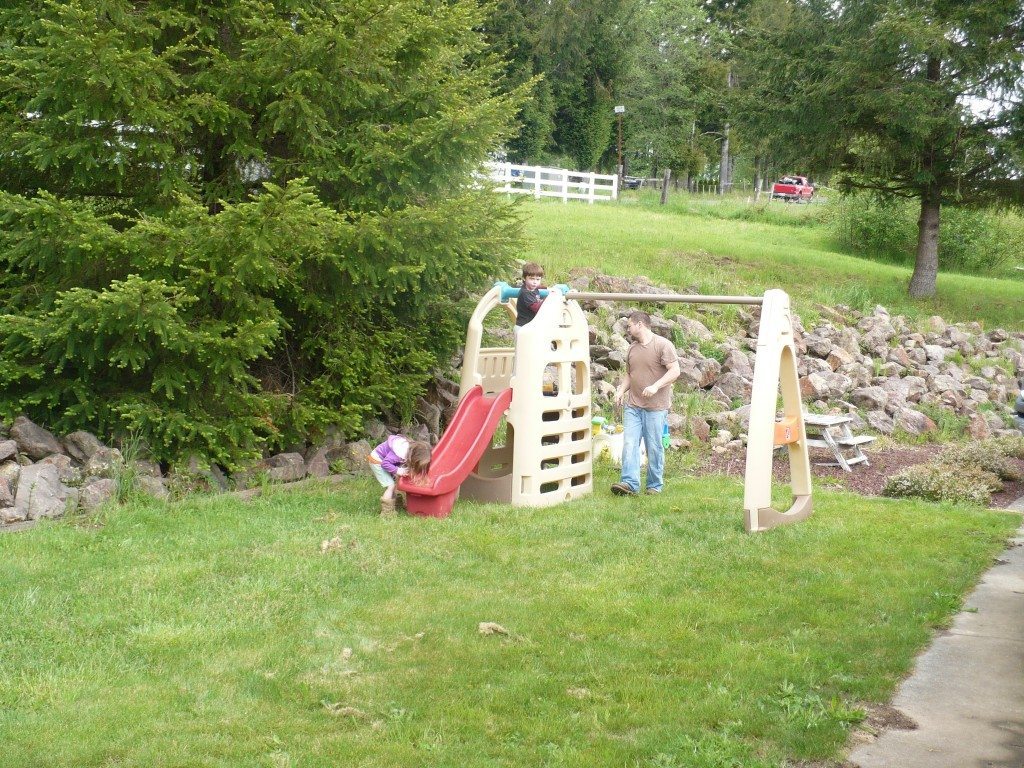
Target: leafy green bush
x: 988, y: 455
x: 874, y: 227
x: 944, y: 482
x: 1010, y: 445
x: 971, y: 240
x: 984, y: 241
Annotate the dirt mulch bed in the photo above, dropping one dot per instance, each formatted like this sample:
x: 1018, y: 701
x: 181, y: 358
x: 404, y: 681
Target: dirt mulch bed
x: 865, y: 480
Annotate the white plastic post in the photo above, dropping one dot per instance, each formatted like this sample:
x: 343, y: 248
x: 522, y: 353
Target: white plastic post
x: 775, y: 365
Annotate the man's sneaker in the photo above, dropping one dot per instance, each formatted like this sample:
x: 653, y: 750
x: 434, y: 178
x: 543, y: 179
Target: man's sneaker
x: 652, y: 491
x: 621, y: 489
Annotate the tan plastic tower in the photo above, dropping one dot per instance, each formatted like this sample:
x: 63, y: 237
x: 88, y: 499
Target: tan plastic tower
x: 775, y: 365
x: 544, y: 456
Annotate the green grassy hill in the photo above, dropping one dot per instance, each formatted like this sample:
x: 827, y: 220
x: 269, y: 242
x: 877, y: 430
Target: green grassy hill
x: 724, y: 246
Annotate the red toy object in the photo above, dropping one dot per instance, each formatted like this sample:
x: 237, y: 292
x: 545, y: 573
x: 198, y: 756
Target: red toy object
x: 457, y: 453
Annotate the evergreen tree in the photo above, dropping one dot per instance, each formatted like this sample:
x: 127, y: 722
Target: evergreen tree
x: 226, y: 225
x: 911, y: 98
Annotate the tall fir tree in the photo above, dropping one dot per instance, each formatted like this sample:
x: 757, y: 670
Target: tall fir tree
x: 226, y: 225
x: 910, y: 98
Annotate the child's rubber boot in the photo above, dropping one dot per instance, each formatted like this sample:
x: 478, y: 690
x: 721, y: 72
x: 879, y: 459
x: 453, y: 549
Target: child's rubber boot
x: 387, y: 508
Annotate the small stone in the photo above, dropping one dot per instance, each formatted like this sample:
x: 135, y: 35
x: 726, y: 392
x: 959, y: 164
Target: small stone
x: 96, y: 493
x: 82, y: 445
x: 8, y: 448
x: 153, y: 486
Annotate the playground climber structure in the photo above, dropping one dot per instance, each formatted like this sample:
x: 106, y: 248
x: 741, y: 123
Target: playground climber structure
x: 536, y: 397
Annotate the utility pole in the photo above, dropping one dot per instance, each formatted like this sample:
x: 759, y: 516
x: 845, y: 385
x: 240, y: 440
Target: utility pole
x: 619, y: 109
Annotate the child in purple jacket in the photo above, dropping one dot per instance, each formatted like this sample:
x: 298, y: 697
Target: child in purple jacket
x: 396, y: 457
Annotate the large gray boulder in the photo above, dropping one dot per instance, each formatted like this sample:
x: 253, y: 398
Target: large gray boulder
x: 818, y: 346
x: 814, y: 386
x: 690, y: 375
x: 9, y: 471
x: 710, y: 370
x: 935, y: 353
x: 67, y: 472
x: 881, y: 422
x: 286, y: 467
x: 82, y: 445
x: 734, y: 386
x: 913, y: 422
x: 34, y: 441
x: 662, y: 327
x: 41, y: 494
x: 6, y: 494
x: 870, y: 398
x: 693, y: 328
x: 738, y: 363
x: 838, y: 358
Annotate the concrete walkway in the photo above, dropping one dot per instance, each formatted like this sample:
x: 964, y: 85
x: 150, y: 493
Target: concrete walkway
x: 966, y: 693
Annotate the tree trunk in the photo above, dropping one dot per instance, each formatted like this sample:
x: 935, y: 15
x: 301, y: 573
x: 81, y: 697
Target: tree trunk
x: 757, y: 178
x: 724, y: 166
x: 926, y: 265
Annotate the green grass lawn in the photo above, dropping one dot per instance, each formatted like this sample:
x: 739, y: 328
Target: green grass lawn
x: 641, y: 632
x: 730, y: 247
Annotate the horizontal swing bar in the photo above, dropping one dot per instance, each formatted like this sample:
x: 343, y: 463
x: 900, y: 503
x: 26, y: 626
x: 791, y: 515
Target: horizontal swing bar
x: 511, y: 292
x: 664, y: 297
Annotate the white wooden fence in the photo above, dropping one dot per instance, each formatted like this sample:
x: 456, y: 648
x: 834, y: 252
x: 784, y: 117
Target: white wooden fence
x: 553, y: 182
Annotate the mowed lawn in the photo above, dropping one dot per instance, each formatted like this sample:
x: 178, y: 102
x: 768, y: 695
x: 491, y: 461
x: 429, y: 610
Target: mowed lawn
x: 729, y: 247
x: 638, y: 632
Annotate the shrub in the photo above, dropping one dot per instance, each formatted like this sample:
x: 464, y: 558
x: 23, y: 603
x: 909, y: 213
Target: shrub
x: 261, y: 226
x: 971, y: 240
x: 1010, y: 445
x: 989, y: 455
x: 944, y: 482
x: 873, y: 227
x: 979, y: 241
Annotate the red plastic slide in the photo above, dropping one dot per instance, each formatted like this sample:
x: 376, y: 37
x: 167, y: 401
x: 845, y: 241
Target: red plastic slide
x: 457, y: 453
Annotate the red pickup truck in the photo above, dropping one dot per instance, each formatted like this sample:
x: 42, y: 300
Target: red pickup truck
x: 790, y: 188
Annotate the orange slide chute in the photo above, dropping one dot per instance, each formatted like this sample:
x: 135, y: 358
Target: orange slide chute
x: 457, y: 453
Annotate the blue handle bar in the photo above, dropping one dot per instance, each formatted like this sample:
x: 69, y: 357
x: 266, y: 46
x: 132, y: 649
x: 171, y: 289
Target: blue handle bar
x: 512, y: 292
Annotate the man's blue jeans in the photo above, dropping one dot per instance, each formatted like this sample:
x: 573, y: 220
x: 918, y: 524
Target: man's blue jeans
x: 640, y: 424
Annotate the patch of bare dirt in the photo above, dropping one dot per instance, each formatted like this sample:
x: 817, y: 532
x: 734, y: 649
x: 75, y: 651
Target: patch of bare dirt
x: 867, y: 480
x: 882, y: 717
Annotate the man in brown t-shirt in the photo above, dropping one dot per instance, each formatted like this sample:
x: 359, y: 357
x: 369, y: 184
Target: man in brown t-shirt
x: 646, y: 393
